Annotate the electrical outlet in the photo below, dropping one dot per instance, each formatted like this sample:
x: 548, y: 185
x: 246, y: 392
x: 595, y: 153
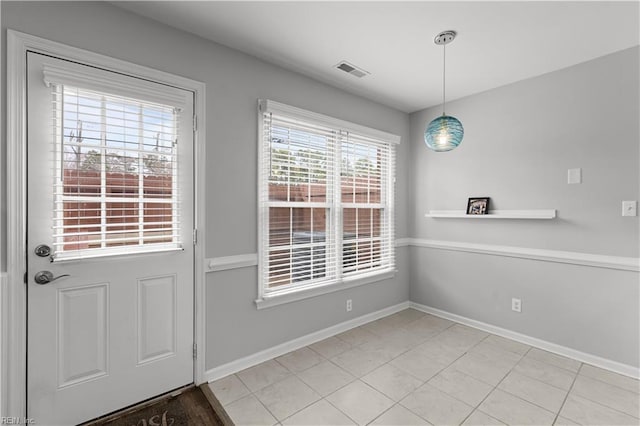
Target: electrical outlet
x: 516, y: 305
x: 349, y: 305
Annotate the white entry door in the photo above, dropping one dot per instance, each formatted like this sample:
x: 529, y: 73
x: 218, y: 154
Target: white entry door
x: 109, y: 240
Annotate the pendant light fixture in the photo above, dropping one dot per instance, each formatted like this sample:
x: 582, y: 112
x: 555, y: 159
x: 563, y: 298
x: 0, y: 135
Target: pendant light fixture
x: 445, y: 132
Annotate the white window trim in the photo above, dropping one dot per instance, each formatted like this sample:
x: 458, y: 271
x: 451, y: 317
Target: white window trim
x: 102, y: 81
x: 343, y: 283
x: 13, y: 322
x: 266, y: 106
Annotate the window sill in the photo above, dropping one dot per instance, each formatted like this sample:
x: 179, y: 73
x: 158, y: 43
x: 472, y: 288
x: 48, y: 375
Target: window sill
x: 295, y: 295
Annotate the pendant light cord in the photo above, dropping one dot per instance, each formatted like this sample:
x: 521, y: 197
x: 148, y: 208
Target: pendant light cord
x: 444, y: 67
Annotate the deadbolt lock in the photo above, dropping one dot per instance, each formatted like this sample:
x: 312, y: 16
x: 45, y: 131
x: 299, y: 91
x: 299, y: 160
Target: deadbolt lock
x: 42, y: 250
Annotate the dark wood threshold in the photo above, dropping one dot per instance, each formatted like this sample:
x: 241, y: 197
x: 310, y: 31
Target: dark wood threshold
x: 204, y: 409
x: 136, y: 407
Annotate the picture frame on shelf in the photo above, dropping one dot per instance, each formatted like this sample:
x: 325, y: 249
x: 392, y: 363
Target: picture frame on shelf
x: 478, y: 206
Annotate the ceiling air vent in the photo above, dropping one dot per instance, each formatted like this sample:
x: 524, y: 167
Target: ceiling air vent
x: 351, y: 69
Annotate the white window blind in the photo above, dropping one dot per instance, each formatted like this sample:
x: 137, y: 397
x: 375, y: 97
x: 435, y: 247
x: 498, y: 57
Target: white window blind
x: 326, y: 200
x: 115, y: 173
x: 367, y: 211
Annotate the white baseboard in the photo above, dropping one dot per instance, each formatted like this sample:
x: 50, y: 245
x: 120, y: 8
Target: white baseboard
x: 275, y: 351
x: 286, y: 347
x: 616, y: 367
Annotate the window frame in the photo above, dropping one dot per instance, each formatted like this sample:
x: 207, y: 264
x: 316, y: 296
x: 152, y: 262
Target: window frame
x: 119, y: 86
x: 314, y: 288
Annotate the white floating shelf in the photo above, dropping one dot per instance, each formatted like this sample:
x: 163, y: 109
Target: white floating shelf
x: 493, y: 214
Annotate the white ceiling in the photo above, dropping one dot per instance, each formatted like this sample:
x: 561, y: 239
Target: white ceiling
x: 498, y: 42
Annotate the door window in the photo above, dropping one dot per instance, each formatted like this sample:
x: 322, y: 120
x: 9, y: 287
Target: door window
x: 115, y: 174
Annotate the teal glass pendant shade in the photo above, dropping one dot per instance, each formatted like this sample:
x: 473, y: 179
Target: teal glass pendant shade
x: 444, y: 133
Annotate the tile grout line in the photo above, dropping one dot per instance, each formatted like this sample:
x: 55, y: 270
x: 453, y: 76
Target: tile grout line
x: 295, y: 374
x: 402, y: 406
x: 267, y: 408
x: 564, y: 401
x: 337, y: 408
x: 453, y: 323
x: 540, y: 381
x: 383, y: 413
x: 366, y: 384
x: 522, y: 356
x: 351, y: 346
x: 389, y: 362
x: 609, y: 383
x: 291, y: 374
x: 402, y: 327
x: 531, y: 402
x: 440, y: 371
x: 556, y: 365
x: 574, y: 373
x: 336, y: 390
x: 303, y: 408
x: 253, y: 394
x: 600, y: 403
x: 496, y: 387
x: 402, y: 353
x: 382, y: 393
x: 396, y: 403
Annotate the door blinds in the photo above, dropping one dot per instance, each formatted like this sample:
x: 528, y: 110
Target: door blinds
x: 115, y: 173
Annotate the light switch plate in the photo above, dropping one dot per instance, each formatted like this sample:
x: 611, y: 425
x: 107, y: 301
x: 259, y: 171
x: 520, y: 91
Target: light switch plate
x: 629, y: 208
x: 574, y: 176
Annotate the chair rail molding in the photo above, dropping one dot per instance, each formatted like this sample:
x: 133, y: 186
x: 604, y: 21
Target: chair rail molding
x: 223, y: 263
x: 543, y: 255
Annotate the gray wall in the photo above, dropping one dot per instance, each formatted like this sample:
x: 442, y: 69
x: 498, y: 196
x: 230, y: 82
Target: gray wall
x: 234, y: 82
x: 519, y: 142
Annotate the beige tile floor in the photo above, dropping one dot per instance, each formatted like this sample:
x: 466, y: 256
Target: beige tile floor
x: 411, y: 368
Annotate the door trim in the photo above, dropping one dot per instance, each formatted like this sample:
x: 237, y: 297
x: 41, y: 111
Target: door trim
x: 13, y: 295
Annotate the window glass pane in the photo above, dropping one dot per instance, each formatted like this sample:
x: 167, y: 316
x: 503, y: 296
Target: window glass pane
x: 83, y: 181
x: 361, y: 175
x: 299, y: 163
x: 122, y: 153
x: 297, y: 241
x: 361, y: 239
x: 80, y: 220
x: 159, y: 223
x: 121, y: 227
x: 297, y: 264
